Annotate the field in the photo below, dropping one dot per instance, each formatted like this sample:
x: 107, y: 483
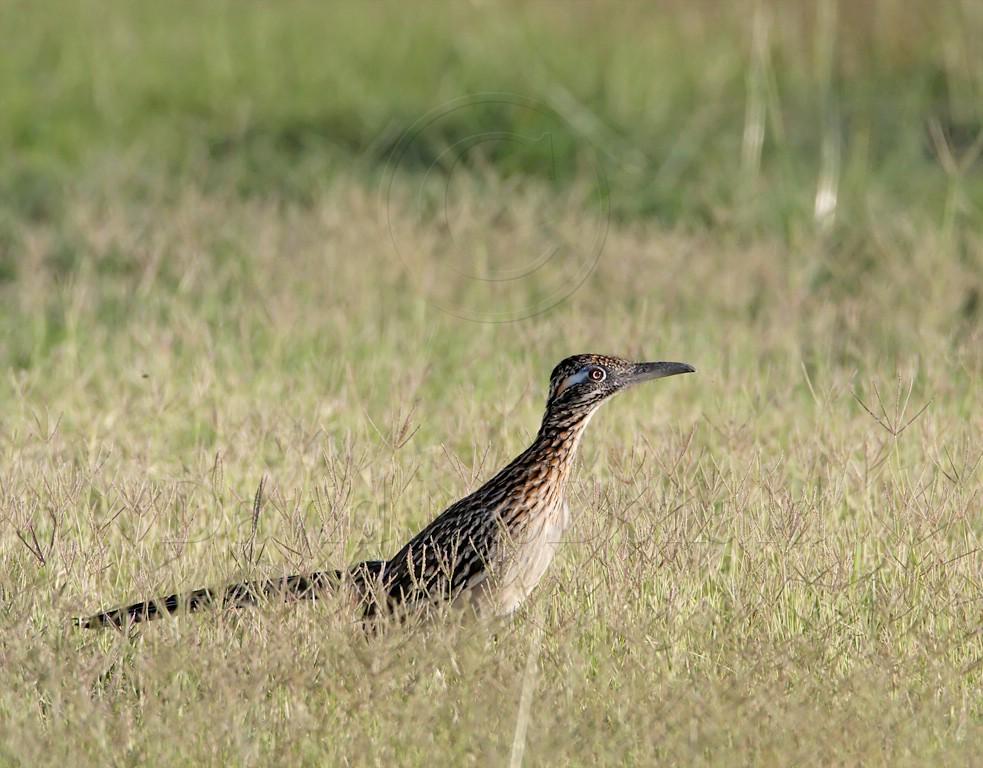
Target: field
x: 339, y: 252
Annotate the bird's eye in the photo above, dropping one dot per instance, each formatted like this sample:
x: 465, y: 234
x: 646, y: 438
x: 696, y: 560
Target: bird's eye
x: 597, y: 374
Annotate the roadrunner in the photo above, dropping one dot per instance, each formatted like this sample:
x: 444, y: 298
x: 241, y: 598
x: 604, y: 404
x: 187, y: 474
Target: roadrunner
x: 487, y: 551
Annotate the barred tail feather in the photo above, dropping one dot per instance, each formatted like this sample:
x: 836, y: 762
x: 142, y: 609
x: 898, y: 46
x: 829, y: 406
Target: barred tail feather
x: 241, y: 594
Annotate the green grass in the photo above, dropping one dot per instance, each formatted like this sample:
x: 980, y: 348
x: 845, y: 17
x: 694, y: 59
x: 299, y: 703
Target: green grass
x: 776, y: 561
x: 274, y: 102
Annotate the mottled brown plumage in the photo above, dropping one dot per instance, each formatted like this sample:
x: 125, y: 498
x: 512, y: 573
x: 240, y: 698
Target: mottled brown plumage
x: 487, y: 551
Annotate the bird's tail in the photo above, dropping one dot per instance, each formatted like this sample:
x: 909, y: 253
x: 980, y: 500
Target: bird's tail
x: 297, y: 587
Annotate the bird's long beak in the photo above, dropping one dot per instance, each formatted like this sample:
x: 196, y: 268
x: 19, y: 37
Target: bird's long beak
x: 648, y: 371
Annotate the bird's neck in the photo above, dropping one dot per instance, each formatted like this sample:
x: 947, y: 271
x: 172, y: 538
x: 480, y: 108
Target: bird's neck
x: 541, y: 471
x: 556, y: 443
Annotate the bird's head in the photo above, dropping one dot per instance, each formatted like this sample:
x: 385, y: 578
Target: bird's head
x: 579, y: 384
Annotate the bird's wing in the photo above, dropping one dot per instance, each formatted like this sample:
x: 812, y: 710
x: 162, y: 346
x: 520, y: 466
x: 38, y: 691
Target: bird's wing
x: 451, y: 555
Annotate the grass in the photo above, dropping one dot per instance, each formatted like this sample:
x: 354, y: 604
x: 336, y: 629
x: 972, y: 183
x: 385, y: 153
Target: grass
x: 276, y: 103
x: 776, y: 561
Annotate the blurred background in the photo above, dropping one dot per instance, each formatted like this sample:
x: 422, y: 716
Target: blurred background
x: 760, y: 117
x: 767, y: 120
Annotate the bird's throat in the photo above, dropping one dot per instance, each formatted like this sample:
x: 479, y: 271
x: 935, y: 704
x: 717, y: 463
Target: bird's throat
x: 557, y: 442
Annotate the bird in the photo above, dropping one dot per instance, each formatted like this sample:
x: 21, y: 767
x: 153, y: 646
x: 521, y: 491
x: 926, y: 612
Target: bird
x: 486, y: 552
